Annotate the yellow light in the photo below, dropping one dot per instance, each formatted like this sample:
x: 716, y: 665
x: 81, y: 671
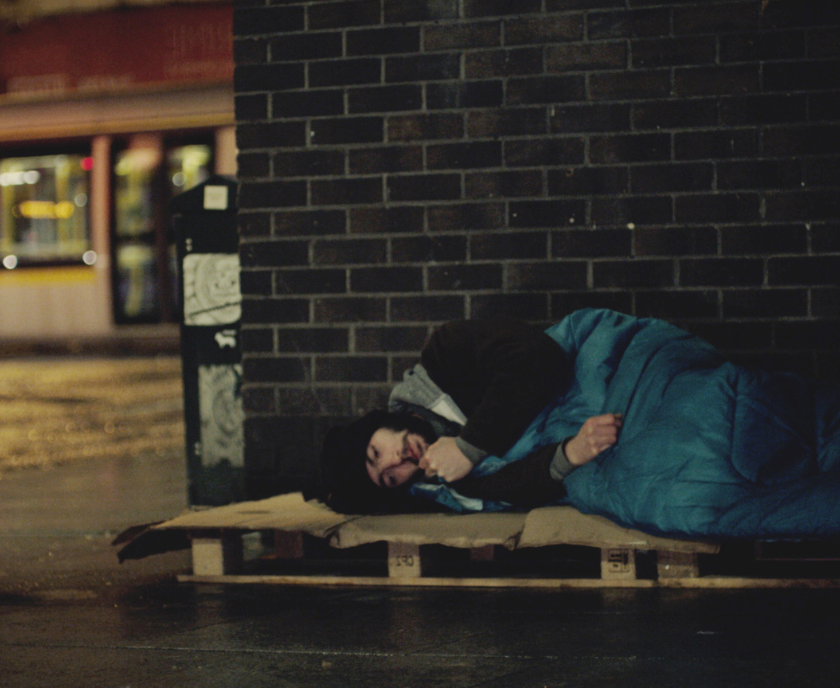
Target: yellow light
x: 44, y: 210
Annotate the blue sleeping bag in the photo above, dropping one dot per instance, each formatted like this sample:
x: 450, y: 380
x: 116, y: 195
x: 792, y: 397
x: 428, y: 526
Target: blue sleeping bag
x: 708, y: 449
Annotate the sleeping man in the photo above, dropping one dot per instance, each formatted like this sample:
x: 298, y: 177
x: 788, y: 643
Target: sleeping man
x: 631, y: 418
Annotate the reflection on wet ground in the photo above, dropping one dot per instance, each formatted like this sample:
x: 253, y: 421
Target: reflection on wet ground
x: 56, y: 411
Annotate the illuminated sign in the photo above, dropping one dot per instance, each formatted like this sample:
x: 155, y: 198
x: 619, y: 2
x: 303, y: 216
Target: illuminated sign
x: 44, y: 210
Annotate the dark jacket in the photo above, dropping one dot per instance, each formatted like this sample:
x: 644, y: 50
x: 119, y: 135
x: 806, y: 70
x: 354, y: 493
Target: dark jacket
x: 501, y: 373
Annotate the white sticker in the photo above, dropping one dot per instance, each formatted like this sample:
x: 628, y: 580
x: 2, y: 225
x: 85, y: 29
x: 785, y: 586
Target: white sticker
x: 222, y: 416
x: 211, y: 289
x: 215, y: 198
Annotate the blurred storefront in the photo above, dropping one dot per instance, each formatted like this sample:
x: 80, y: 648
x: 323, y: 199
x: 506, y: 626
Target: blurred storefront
x: 104, y: 117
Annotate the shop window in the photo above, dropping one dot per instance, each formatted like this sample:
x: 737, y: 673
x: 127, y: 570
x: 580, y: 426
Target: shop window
x: 44, y: 210
x: 147, y: 175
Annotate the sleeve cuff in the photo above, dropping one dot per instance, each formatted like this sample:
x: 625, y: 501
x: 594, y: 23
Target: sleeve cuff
x: 560, y: 466
x: 474, y: 454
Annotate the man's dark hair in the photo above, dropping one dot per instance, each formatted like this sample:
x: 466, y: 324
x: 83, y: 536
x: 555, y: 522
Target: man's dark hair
x: 344, y: 484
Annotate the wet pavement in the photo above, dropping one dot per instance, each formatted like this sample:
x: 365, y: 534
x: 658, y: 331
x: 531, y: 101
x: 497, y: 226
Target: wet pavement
x: 70, y: 615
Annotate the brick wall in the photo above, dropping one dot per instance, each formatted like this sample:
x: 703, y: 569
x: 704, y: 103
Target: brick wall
x: 403, y: 163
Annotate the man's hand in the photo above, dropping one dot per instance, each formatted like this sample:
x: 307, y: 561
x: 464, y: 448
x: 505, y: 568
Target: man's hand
x: 444, y: 459
x: 596, y: 434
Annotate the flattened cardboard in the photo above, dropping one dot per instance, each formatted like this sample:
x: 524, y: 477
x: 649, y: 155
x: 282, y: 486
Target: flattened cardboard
x: 537, y: 528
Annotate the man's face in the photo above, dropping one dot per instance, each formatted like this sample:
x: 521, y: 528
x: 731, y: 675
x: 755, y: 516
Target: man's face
x: 392, y: 456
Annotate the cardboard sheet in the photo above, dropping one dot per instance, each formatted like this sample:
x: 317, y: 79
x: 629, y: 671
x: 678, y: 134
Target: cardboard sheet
x: 537, y: 528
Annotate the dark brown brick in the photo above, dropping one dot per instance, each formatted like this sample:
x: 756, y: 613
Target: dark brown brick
x: 714, y: 18
x: 433, y: 67
x: 503, y: 184
x: 350, y: 309
x: 529, y: 307
x: 825, y: 303
x: 464, y: 94
x: 589, y: 118
x: 545, y: 89
x: 308, y: 103
x: 765, y: 303
x: 274, y: 369
x: 389, y: 338
x: 272, y: 194
x: 425, y: 308
x: 386, y: 279
x: 635, y: 273
x: 564, y: 303
x: 635, y: 210
x: 424, y: 187
x: 483, y: 64
x: 361, y: 70
x: 310, y: 222
x: 256, y: 282
x: 508, y: 246
x: 550, y: 213
x: 350, y: 191
x: 351, y: 368
x: 275, y: 77
x: 386, y: 220
x: 313, y: 45
x: 465, y: 277
x: 547, y: 275
x: 273, y: 253
x: 630, y: 85
x: 348, y: 251
x: 308, y: 163
x: 252, y: 21
x: 598, y: 243
x: 577, y: 57
x: 383, y: 41
x: 704, y: 208
x: 461, y: 216
x: 370, y: 160
x: 253, y: 224
x: 425, y: 127
x: 554, y: 151
x: 498, y: 8
x: 803, y: 270
x: 669, y: 52
x: 310, y: 282
x: 667, y: 177
x: 675, y: 241
x: 429, y: 248
x: 464, y: 155
x: 313, y: 339
x: 582, y: 181
x: 772, y: 239
x: 384, y: 98
x: 629, y: 24
x: 717, y: 81
x: 453, y: 36
x: 325, y: 132
x: 397, y: 11
x: 506, y: 122
x: 629, y: 148
x: 270, y: 135
x: 253, y: 165
x: 722, y: 272
x: 544, y: 29
x: 676, y: 304
x: 329, y: 15
x: 275, y: 311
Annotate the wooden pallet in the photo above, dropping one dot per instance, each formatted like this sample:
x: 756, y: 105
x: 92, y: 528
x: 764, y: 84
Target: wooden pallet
x: 216, y: 539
